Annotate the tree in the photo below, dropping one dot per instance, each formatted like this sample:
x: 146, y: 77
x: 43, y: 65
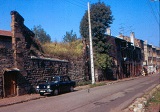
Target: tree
x: 70, y: 37
x: 101, y: 18
x: 41, y: 35
x: 103, y: 61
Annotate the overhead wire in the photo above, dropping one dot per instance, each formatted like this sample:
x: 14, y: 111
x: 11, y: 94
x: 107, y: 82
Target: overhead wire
x: 81, y: 4
x: 156, y: 9
x: 75, y: 4
x: 84, y: 4
x: 152, y: 11
x: 83, y: 1
x: 155, y: 16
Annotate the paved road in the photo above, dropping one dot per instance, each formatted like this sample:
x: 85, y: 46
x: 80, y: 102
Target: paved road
x: 108, y: 98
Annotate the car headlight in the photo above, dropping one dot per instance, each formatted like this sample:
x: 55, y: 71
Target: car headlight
x: 37, y: 87
x: 48, y: 86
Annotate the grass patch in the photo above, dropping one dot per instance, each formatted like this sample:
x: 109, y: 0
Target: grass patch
x: 156, y: 98
x: 153, y: 105
x: 72, y: 50
x: 83, y: 83
x: 90, y: 84
x: 97, y: 84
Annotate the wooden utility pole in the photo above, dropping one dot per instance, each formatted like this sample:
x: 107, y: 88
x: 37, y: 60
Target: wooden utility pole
x: 91, y: 47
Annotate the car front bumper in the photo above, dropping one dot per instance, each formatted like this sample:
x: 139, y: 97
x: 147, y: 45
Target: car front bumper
x: 44, y: 90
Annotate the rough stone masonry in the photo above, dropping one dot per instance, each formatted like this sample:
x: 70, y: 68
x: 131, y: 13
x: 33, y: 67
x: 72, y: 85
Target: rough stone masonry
x: 24, y: 65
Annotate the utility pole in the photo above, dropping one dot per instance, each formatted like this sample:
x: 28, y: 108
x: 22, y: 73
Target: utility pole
x: 91, y: 47
x: 159, y: 23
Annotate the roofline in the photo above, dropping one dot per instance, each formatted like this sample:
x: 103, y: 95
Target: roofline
x: 5, y: 33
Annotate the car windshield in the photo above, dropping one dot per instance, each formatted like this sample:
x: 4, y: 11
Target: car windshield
x: 55, y: 79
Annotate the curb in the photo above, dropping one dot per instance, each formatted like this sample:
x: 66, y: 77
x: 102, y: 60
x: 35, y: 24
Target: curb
x: 22, y: 101
x: 139, y: 104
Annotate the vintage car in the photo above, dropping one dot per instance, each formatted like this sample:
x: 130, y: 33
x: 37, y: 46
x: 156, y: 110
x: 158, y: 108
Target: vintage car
x: 56, y: 85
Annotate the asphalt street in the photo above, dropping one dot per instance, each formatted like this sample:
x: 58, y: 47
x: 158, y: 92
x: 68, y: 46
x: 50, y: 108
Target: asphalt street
x: 108, y: 98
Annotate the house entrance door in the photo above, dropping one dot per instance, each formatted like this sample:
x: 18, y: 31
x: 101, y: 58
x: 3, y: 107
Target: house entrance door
x: 10, y: 83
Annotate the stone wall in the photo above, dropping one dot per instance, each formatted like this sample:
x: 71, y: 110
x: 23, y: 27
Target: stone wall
x: 30, y: 58
x: 23, y: 55
x: 6, y: 62
x: 76, y: 70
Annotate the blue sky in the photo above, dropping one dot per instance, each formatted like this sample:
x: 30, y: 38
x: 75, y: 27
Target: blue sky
x: 59, y: 16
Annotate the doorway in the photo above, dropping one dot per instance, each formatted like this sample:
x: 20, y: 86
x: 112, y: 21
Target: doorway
x: 10, y: 83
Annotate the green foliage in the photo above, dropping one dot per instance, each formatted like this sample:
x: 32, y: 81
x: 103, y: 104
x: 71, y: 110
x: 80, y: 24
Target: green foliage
x: 83, y: 83
x: 101, y: 18
x: 156, y: 98
x: 70, y: 37
x: 41, y: 35
x: 102, y: 61
x: 97, y: 84
x: 68, y: 51
x: 154, y: 102
x: 100, y: 44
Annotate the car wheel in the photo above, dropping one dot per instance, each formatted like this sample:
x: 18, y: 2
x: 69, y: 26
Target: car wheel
x: 41, y: 94
x: 71, y: 89
x: 55, y: 92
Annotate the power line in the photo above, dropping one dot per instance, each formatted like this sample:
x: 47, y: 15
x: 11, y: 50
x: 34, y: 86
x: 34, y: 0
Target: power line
x: 159, y: 25
x: 152, y: 11
x: 156, y: 9
x: 75, y: 4
x: 84, y: 1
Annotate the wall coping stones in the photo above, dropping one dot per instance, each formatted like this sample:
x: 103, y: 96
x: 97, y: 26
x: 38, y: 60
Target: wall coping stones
x: 50, y: 59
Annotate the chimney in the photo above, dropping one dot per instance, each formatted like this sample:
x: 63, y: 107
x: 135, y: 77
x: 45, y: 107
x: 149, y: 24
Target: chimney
x: 108, y: 31
x: 120, y: 36
x: 132, y: 36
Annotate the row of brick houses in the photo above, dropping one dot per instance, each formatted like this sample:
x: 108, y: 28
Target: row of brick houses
x: 139, y: 57
x: 150, y: 54
x: 131, y: 56
x: 24, y: 64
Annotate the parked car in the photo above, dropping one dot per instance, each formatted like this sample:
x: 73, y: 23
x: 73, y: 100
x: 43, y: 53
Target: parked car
x: 56, y: 85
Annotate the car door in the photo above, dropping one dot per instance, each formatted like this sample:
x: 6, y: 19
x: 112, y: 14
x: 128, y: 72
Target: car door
x: 62, y: 84
x: 67, y: 83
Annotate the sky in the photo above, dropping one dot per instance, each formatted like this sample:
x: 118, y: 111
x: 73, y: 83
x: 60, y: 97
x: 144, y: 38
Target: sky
x: 60, y: 16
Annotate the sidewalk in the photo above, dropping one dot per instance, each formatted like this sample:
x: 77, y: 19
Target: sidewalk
x: 19, y: 99
x: 29, y: 97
